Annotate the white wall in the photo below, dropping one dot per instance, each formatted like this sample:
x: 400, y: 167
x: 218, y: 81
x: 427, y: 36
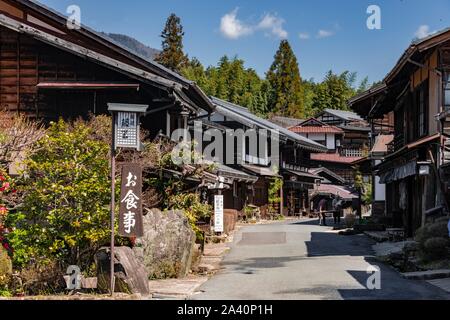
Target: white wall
x: 380, y: 189
x: 331, y: 141
x: 316, y: 136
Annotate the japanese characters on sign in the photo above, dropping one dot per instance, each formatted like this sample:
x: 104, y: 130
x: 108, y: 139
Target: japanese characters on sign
x: 127, y: 130
x: 218, y: 213
x: 130, y: 214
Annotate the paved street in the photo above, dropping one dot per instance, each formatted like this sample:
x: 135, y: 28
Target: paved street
x: 301, y: 260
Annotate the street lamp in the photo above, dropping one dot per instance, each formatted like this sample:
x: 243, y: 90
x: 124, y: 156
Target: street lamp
x: 125, y: 134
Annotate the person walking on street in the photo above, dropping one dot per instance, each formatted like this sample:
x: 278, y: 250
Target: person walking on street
x: 338, y: 210
x: 322, y: 209
x: 334, y: 206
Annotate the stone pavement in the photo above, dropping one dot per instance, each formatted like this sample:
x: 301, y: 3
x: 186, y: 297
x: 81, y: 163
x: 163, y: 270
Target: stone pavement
x: 176, y: 289
x: 182, y: 289
x: 444, y: 284
x: 301, y: 260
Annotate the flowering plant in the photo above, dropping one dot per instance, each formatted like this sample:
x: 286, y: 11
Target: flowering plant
x: 6, y: 188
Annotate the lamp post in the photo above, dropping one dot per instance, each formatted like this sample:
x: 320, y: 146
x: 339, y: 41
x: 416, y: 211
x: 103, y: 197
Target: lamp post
x: 125, y: 134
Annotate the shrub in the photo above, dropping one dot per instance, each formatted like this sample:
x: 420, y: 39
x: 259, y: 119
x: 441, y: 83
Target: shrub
x: 436, y: 248
x: 17, y: 135
x: 433, y: 240
x: 193, y: 208
x: 65, y: 212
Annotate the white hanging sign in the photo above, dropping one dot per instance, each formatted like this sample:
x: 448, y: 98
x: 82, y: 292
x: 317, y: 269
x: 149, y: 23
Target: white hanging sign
x: 218, y: 213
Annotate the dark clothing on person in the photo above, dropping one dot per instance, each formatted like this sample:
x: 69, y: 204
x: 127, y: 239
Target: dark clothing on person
x: 337, y: 212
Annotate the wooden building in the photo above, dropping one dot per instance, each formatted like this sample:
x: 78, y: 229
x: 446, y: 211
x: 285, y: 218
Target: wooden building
x: 293, y: 157
x: 415, y: 95
x: 48, y: 70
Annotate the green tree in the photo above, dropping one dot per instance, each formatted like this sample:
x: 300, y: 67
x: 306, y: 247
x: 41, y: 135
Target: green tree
x: 286, y: 98
x: 334, y: 91
x: 64, y: 216
x: 172, y: 55
x: 195, y: 71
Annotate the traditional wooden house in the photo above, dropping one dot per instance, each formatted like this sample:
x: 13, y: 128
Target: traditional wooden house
x: 293, y: 157
x: 344, y: 146
x: 356, y: 131
x: 327, y: 135
x: 415, y: 95
x: 48, y: 70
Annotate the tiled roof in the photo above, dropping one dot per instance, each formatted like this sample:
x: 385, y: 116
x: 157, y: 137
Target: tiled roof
x: 286, y: 122
x: 245, y: 117
x: 316, y: 129
x: 331, y: 189
x: 333, y: 157
x: 381, y: 143
x: 345, y: 115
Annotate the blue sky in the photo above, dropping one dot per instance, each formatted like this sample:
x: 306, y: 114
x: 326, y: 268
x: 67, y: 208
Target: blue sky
x: 325, y: 34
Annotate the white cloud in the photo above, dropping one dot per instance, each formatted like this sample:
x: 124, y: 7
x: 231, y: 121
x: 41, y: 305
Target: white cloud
x: 324, y: 34
x: 423, y: 31
x: 304, y: 36
x: 232, y: 28
x: 274, y: 24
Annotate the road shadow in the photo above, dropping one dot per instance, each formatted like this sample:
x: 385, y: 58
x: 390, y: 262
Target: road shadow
x: 250, y: 266
x: 393, y: 286
x: 312, y: 222
x: 332, y: 244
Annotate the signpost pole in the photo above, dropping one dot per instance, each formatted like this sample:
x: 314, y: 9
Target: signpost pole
x: 113, y: 205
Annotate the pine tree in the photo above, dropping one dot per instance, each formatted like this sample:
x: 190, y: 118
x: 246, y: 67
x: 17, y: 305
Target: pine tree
x: 172, y: 55
x: 286, y: 94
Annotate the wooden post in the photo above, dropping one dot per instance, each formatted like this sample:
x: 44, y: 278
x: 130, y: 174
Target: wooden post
x: 113, y: 205
x: 424, y: 199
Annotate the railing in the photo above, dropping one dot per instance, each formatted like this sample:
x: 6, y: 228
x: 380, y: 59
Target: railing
x: 350, y: 152
x: 397, y: 143
x: 294, y: 167
x: 256, y: 160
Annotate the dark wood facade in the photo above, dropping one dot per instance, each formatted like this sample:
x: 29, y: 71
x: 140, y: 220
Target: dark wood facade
x: 413, y: 99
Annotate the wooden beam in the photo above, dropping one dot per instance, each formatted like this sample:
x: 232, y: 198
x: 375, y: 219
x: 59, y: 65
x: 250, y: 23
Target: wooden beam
x: 84, y: 52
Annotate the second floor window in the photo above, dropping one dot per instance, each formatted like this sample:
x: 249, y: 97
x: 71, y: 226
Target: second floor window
x: 422, y: 109
x: 447, y: 90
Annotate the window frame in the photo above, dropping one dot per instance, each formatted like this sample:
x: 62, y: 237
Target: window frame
x: 446, y: 90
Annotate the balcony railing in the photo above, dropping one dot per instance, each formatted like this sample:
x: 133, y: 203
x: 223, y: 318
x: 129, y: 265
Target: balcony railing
x: 397, y: 143
x: 294, y: 167
x: 352, y: 151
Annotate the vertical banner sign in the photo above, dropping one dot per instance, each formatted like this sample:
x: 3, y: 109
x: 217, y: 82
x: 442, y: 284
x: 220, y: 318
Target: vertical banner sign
x: 130, y: 214
x: 218, y: 213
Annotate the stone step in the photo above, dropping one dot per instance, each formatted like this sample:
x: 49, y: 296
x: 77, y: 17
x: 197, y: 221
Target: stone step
x: 427, y: 275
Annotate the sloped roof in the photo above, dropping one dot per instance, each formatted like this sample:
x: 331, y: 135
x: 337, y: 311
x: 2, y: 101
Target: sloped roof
x: 313, y: 125
x: 330, y: 189
x: 417, y: 48
x: 146, y: 66
x: 242, y: 115
x: 323, y: 170
x: 333, y: 157
x: 286, y: 122
x: 344, y: 115
x: 381, y: 143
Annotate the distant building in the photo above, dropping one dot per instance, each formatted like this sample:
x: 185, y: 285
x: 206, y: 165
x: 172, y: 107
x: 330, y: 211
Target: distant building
x: 345, y: 135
